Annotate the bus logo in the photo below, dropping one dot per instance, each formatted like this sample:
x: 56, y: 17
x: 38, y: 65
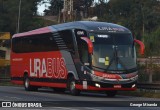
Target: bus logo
x: 80, y: 32
x: 48, y: 67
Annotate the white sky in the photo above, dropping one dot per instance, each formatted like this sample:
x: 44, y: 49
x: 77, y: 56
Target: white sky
x: 42, y: 7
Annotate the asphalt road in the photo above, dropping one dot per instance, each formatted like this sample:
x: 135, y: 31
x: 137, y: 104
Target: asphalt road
x: 65, y: 101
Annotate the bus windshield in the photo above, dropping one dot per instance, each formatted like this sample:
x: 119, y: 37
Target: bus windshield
x: 113, y: 52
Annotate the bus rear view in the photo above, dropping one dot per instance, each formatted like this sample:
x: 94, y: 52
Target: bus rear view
x: 96, y: 56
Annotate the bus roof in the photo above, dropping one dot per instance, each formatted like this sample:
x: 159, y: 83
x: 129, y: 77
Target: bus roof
x: 92, y: 26
x: 34, y: 32
x: 86, y: 25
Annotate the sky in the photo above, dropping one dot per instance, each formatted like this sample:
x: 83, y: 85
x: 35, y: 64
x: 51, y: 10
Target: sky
x: 41, y: 8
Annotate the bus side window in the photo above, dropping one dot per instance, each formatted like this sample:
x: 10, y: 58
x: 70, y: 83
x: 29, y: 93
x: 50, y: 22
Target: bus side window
x: 34, y: 43
x: 17, y: 45
x: 82, y: 45
x: 67, y: 37
x: 83, y: 52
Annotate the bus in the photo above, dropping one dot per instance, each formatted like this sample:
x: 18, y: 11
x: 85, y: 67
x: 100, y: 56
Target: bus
x: 78, y: 56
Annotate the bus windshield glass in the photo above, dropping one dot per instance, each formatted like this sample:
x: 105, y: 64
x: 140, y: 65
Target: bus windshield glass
x: 113, y: 52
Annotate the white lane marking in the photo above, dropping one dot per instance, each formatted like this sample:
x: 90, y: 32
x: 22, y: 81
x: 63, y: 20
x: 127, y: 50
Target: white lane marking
x: 13, y: 97
x: 92, y: 108
x: 3, y: 99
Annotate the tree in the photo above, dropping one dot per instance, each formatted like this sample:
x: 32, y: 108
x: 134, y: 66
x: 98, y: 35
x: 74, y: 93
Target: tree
x: 55, y: 7
x: 78, y: 5
x: 9, y: 15
x: 152, y: 43
x: 140, y: 16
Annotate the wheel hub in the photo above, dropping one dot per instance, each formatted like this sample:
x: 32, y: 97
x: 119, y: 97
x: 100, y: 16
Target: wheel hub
x: 26, y: 83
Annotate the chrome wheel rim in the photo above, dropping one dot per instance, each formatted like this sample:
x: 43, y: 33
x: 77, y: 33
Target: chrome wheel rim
x: 27, y: 83
x: 72, y: 85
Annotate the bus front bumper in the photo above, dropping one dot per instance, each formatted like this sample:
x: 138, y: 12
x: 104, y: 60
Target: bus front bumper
x: 97, y: 86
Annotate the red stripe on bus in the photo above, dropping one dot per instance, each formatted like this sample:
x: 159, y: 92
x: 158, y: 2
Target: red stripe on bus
x: 17, y: 82
x: 107, y: 75
x: 44, y: 84
x: 80, y: 87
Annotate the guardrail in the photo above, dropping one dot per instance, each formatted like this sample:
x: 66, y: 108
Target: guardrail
x: 151, y: 86
x: 5, y: 79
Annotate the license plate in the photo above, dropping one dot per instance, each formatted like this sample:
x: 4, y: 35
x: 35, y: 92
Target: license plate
x: 117, y: 86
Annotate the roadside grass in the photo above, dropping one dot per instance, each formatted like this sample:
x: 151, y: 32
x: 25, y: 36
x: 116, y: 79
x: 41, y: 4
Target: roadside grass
x: 141, y: 93
x: 8, y: 83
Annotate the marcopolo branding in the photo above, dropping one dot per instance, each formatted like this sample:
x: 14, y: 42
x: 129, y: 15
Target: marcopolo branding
x: 111, y: 29
x: 47, y: 67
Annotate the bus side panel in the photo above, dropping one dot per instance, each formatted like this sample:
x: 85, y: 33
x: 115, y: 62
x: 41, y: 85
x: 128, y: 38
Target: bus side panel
x: 16, y: 67
x: 46, y: 67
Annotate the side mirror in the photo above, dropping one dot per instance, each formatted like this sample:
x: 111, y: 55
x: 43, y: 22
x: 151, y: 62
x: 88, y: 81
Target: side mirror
x: 142, y: 47
x: 89, y: 43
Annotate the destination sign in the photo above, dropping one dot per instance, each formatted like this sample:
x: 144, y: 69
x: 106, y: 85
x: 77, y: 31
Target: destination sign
x: 111, y: 29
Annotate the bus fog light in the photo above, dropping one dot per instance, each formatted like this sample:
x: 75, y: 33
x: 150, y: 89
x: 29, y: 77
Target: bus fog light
x: 97, y: 85
x: 134, y: 85
x: 84, y: 84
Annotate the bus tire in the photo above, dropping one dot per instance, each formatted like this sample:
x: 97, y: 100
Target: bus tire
x: 111, y: 93
x: 27, y: 85
x: 72, y: 87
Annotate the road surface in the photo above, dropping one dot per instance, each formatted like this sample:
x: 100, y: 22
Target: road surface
x: 65, y: 101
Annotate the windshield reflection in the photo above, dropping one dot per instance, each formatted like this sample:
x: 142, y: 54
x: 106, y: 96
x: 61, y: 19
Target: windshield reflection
x: 115, y: 52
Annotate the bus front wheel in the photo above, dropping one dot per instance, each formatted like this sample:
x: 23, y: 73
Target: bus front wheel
x: 27, y: 85
x: 72, y: 87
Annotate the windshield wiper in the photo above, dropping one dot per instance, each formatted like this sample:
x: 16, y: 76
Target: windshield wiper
x: 109, y: 64
x: 113, y: 58
x: 117, y: 60
x: 125, y: 68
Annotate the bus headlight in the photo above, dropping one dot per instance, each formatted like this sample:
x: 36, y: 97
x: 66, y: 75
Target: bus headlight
x: 97, y: 85
x: 134, y: 85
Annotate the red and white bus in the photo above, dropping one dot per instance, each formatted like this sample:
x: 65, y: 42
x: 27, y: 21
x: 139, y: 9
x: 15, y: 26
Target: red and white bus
x: 82, y: 55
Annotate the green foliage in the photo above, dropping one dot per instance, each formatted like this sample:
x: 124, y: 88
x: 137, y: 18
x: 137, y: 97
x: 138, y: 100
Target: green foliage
x: 9, y: 15
x: 56, y: 6
x: 152, y: 43
x: 141, y: 93
x: 140, y: 16
x: 78, y: 5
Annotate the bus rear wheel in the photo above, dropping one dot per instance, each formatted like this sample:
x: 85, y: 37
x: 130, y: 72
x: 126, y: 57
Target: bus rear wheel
x: 111, y: 93
x: 27, y: 85
x: 72, y: 87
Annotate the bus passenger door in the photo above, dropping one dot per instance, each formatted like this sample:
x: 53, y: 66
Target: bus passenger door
x: 83, y: 55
